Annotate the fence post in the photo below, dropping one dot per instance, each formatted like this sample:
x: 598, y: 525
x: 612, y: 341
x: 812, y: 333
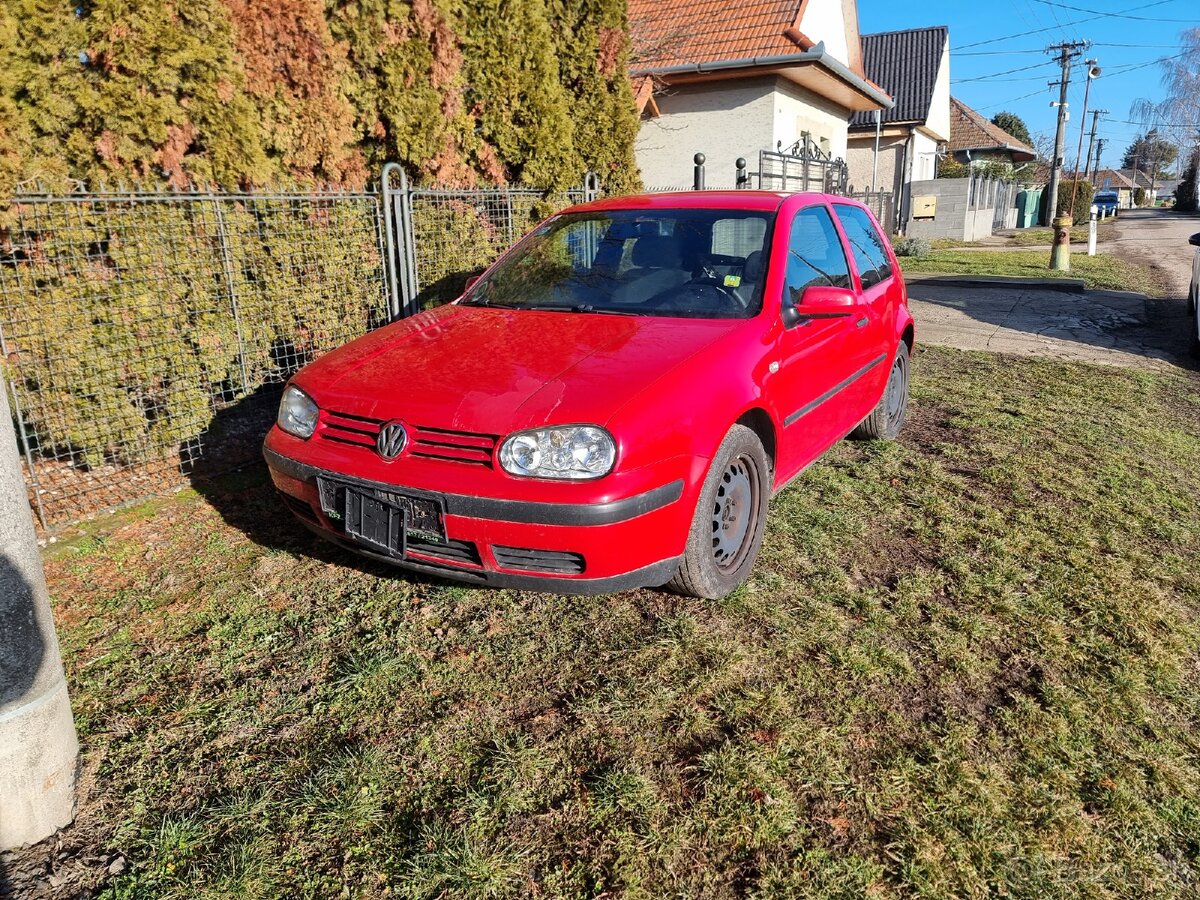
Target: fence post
x: 397, y: 298
x: 508, y: 217
x: 227, y: 260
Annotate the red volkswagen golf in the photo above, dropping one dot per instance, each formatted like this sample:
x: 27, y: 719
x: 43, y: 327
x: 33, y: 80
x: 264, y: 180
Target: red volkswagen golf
x: 613, y: 403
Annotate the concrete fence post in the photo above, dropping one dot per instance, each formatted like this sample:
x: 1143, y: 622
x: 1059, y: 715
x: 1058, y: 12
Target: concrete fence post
x: 38, y: 747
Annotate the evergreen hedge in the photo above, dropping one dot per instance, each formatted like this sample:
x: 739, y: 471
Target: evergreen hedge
x: 120, y: 318
x: 237, y: 93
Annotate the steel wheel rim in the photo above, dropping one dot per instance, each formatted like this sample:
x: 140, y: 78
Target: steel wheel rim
x: 897, y: 390
x: 735, y: 513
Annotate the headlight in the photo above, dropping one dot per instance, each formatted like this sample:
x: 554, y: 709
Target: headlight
x: 568, y: 451
x: 297, y: 413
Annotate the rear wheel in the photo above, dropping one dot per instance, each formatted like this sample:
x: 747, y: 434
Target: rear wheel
x: 886, y: 419
x: 727, y: 528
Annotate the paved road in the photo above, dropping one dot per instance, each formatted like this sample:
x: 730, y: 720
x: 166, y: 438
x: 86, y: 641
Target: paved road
x: 1110, y: 327
x: 1158, y: 238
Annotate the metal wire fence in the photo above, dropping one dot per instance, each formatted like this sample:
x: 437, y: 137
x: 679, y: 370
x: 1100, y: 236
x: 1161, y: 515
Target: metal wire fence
x: 146, y: 334
x: 444, y: 236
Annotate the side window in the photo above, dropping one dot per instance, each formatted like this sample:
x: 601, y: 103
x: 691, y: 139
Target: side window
x: 815, y: 254
x: 866, y: 244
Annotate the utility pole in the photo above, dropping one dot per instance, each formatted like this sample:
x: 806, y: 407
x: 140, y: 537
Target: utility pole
x: 1096, y: 167
x: 1093, y: 71
x: 1067, y: 51
x: 38, y: 747
x: 1096, y: 114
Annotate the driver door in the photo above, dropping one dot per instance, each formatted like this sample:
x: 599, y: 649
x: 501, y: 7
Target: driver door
x: 816, y: 357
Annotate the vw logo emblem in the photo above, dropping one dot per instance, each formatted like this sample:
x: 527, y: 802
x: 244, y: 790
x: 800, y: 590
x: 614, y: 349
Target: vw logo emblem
x: 391, y: 441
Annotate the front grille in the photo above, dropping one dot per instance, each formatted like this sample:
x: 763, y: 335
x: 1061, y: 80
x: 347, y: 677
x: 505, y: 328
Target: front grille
x: 428, y: 443
x: 557, y: 561
x: 462, y: 553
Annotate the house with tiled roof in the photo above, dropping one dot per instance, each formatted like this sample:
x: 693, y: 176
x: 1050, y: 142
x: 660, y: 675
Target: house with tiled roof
x: 890, y: 148
x: 731, y: 79
x: 1113, y: 180
x: 974, y: 139
x: 1147, y: 182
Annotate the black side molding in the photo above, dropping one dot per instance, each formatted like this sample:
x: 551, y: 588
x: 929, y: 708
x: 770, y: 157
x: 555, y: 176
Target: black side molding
x: 833, y: 391
x: 521, y: 511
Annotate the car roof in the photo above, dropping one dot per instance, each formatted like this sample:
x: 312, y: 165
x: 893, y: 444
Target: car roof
x: 757, y: 201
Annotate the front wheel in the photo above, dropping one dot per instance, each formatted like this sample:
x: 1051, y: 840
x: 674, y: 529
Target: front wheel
x: 727, y: 528
x: 887, y: 418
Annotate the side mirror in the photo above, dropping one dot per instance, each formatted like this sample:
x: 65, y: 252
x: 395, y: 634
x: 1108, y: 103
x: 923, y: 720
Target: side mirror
x: 818, y: 302
x: 471, y: 282
x: 1194, y: 240
x: 828, y: 300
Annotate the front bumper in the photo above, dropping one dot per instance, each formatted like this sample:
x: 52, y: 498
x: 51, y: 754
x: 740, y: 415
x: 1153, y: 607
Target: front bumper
x: 585, y: 548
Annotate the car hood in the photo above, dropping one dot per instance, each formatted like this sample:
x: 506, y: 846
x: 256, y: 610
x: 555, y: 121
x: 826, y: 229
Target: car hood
x: 493, y: 371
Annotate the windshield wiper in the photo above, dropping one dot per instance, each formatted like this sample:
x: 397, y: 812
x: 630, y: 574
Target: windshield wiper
x: 579, y: 308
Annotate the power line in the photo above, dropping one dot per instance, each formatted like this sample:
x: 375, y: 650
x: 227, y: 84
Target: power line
x: 1009, y: 37
x: 1013, y: 100
x: 1140, y: 46
x: 1036, y: 65
x: 1043, y: 49
x: 1001, y: 52
x: 1112, y: 15
x: 1121, y: 70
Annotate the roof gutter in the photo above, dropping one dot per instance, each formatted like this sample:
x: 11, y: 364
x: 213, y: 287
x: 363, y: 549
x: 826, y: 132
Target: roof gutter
x: 816, y: 55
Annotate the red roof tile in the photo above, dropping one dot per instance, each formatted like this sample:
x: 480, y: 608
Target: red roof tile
x: 971, y: 131
x: 673, y: 32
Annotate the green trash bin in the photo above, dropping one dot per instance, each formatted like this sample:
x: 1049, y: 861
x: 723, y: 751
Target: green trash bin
x: 1027, y: 207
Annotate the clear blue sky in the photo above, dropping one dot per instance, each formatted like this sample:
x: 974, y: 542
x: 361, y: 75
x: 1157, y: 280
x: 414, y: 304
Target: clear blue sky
x: 982, y: 77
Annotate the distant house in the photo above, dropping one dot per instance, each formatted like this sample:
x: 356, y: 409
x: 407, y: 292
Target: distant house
x: 975, y: 140
x: 1112, y: 180
x: 1152, y: 186
x: 914, y: 67
x: 731, y: 79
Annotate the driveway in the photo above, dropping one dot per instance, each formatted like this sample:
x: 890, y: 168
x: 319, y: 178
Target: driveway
x: 1109, y: 327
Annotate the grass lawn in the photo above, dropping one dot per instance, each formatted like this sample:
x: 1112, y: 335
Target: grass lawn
x: 1025, y: 237
x: 1100, y: 271
x: 967, y: 665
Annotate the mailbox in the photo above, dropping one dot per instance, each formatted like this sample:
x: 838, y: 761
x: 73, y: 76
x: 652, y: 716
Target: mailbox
x: 924, y: 207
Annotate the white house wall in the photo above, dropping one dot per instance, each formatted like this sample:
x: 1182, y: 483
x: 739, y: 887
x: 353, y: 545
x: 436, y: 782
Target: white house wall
x: 825, y: 20
x: 924, y: 159
x: 722, y: 120
x: 938, y: 120
x: 798, y: 110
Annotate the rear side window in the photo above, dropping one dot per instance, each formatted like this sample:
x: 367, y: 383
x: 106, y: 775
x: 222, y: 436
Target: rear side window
x: 867, y: 245
x: 815, y: 255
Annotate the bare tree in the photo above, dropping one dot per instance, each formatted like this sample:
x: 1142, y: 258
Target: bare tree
x: 1178, y: 113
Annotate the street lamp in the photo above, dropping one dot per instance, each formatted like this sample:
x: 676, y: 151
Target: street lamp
x: 1060, y: 254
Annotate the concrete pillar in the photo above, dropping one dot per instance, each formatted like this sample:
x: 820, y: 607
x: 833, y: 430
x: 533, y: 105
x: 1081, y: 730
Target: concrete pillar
x: 38, y: 747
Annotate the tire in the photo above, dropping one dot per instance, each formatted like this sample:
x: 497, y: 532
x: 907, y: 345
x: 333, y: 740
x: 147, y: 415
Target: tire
x: 731, y: 514
x: 886, y: 419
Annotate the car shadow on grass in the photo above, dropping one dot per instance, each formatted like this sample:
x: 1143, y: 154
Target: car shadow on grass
x: 231, y: 476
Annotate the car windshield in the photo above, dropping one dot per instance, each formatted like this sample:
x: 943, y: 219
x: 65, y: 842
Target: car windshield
x: 697, y: 263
